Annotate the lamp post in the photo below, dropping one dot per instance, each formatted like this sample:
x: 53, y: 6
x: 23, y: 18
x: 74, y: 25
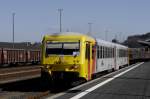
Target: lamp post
x: 106, y: 34
x: 90, y: 28
x: 60, y: 15
x: 13, y: 28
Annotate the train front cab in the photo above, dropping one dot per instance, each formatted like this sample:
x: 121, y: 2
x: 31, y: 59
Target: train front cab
x: 74, y: 59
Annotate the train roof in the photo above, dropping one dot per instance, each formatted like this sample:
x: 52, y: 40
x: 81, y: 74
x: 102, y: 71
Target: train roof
x: 68, y: 34
x: 119, y: 45
x: 99, y: 41
x: 103, y: 42
x: 107, y: 43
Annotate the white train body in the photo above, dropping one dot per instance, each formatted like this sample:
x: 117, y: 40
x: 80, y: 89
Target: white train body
x: 110, y: 56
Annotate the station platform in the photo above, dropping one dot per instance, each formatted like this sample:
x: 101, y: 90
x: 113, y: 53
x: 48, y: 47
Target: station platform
x: 132, y: 82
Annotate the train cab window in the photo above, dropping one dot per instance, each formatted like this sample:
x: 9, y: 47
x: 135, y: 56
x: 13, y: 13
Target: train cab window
x: 63, y: 48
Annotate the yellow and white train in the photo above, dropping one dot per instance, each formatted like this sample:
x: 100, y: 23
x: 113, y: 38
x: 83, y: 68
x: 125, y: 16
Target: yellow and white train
x: 73, y: 55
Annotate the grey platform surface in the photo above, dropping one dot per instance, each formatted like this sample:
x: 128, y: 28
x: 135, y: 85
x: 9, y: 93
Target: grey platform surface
x: 134, y: 84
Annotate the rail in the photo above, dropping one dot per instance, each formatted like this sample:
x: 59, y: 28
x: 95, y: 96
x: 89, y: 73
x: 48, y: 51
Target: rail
x: 13, y: 74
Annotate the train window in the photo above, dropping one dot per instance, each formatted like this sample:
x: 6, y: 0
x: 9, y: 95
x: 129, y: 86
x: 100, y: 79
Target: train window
x: 62, y: 48
x: 119, y: 52
x: 105, y: 52
x: 101, y: 52
x: 108, y: 52
x: 97, y: 51
x: 111, y: 52
x: 146, y: 49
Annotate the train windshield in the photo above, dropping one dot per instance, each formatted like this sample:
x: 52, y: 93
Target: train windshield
x: 62, y: 48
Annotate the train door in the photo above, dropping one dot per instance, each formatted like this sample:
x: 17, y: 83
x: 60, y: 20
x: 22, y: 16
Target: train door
x: 88, y: 58
x: 93, y: 58
x: 117, y: 59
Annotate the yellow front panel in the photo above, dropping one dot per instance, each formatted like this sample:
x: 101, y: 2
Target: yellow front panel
x: 68, y: 62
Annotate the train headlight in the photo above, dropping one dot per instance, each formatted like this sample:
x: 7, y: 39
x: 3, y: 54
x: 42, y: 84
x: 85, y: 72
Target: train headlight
x: 74, y: 67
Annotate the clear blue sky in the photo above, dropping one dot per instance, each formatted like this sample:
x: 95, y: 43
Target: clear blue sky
x: 34, y: 18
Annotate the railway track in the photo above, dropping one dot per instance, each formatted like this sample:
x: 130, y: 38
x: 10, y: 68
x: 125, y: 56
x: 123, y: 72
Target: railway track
x: 13, y: 74
x: 34, y: 88
x: 24, y: 82
x: 28, y: 89
x: 23, y: 95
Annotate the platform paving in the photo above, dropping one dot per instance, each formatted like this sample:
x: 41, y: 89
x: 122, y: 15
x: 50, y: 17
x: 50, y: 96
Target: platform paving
x: 134, y: 84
